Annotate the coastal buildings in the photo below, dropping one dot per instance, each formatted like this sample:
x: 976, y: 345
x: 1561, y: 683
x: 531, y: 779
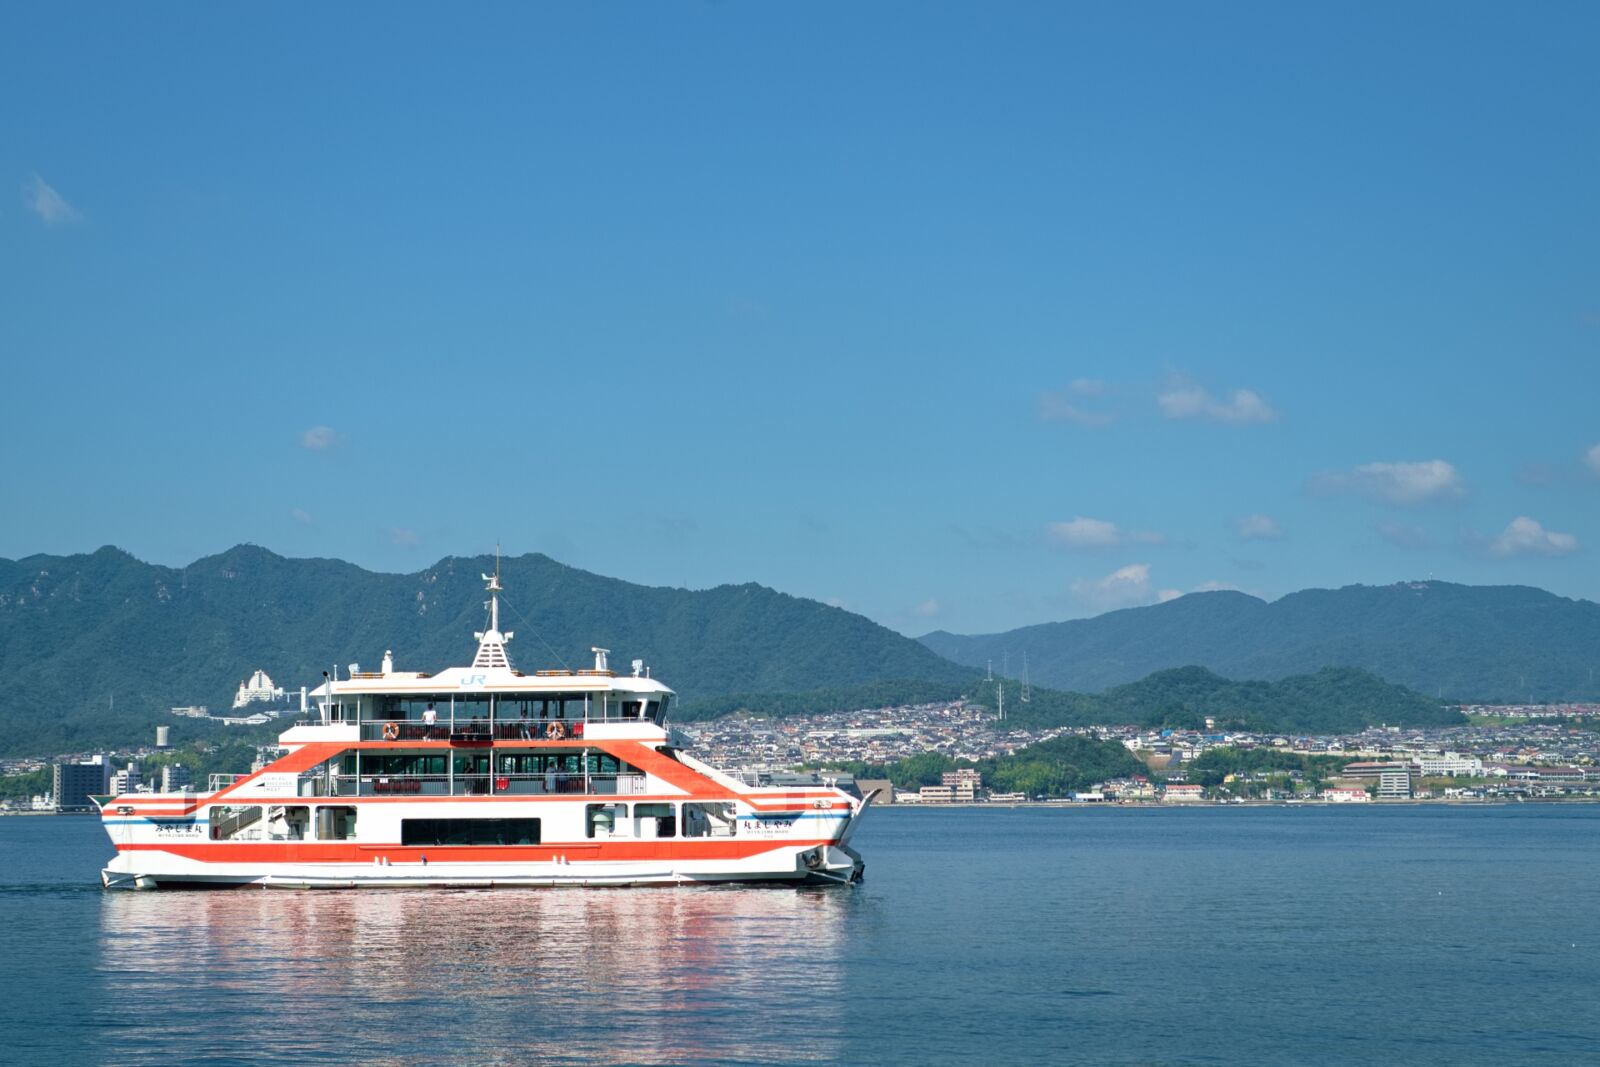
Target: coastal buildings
x: 1394, y: 784
x: 73, y: 782
x: 964, y: 783
x: 175, y: 778
x: 128, y: 780
x: 884, y: 787
x: 1450, y: 765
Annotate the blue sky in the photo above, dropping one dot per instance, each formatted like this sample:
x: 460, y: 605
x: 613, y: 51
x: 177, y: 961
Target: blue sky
x: 963, y: 317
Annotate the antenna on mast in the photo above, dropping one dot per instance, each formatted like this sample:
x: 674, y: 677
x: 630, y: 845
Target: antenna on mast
x: 492, y: 643
x: 1026, y: 693
x: 989, y: 677
x: 1000, y: 691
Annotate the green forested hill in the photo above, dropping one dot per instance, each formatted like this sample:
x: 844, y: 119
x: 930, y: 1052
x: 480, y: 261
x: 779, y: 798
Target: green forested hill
x: 1464, y: 643
x: 1333, y: 700
x: 76, y: 630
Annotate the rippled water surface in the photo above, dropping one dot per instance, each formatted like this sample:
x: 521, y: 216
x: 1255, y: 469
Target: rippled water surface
x: 1403, y: 934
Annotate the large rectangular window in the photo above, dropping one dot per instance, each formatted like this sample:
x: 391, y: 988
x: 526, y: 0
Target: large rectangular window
x: 336, y: 823
x: 469, y: 832
x: 655, y: 820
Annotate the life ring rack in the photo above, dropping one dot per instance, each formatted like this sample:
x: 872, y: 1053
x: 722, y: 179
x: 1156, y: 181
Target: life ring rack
x: 391, y: 731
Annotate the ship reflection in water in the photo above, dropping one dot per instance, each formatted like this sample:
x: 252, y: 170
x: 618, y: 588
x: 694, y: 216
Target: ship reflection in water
x: 495, y: 976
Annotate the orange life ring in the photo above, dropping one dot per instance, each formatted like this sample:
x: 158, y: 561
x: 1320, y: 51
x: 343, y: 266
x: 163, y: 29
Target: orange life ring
x: 391, y: 731
x: 556, y: 731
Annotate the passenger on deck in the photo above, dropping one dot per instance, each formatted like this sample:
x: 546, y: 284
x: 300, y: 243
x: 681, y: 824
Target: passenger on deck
x: 429, y: 719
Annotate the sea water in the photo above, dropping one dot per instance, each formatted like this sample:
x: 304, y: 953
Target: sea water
x: 1292, y: 935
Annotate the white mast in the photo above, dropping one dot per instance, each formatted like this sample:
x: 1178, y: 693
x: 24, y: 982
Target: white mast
x: 492, y: 643
x: 1025, y: 692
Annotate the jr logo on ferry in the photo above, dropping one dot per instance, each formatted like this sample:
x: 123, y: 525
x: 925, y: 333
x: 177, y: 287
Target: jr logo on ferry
x: 473, y: 679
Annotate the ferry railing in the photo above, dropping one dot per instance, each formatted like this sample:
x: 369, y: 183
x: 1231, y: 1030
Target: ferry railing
x: 479, y: 730
x: 475, y: 784
x: 222, y: 781
x: 472, y: 730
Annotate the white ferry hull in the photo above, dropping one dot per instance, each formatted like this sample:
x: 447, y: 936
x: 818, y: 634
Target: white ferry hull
x: 818, y: 865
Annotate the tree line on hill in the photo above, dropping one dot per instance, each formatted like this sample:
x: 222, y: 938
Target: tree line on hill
x: 1054, y: 768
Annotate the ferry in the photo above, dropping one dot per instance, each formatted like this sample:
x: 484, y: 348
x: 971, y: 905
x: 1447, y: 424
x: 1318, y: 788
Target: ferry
x: 483, y: 776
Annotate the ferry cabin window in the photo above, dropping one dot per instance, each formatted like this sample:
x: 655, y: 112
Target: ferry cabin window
x: 289, y: 823
x: 655, y: 820
x: 599, y: 764
x: 651, y: 710
x: 709, y: 820
x: 443, y: 832
x: 336, y: 823
x: 606, y: 820
x: 403, y: 764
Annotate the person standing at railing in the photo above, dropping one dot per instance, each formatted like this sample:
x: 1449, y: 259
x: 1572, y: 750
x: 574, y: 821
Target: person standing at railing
x: 429, y: 719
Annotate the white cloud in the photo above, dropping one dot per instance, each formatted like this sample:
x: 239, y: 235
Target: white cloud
x: 1130, y: 586
x: 51, y: 207
x: 1124, y: 587
x: 1258, y: 527
x: 1592, y: 458
x: 1527, y: 537
x: 1396, y: 483
x: 319, y: 438
x: 1086, y: 533
x: 300, y: 515
x: 927, y: 609
x: 1185, y: 399
x: 1087, y: 386
x: 1404, y: 535
x: 399, y: 535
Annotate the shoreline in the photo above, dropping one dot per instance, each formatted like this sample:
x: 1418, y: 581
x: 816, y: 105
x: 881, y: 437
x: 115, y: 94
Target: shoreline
x: 1137, y: 805
x: 1153, y: 805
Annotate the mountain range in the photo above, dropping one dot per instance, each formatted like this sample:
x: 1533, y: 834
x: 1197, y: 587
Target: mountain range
x: 1495, y: 644
x: 95, y: 648
x: 1331, y: 700
x: 79, y: 634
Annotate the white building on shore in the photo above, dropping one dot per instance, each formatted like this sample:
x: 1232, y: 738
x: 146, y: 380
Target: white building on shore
x: 1451, y: 765
x: 258, y: 690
